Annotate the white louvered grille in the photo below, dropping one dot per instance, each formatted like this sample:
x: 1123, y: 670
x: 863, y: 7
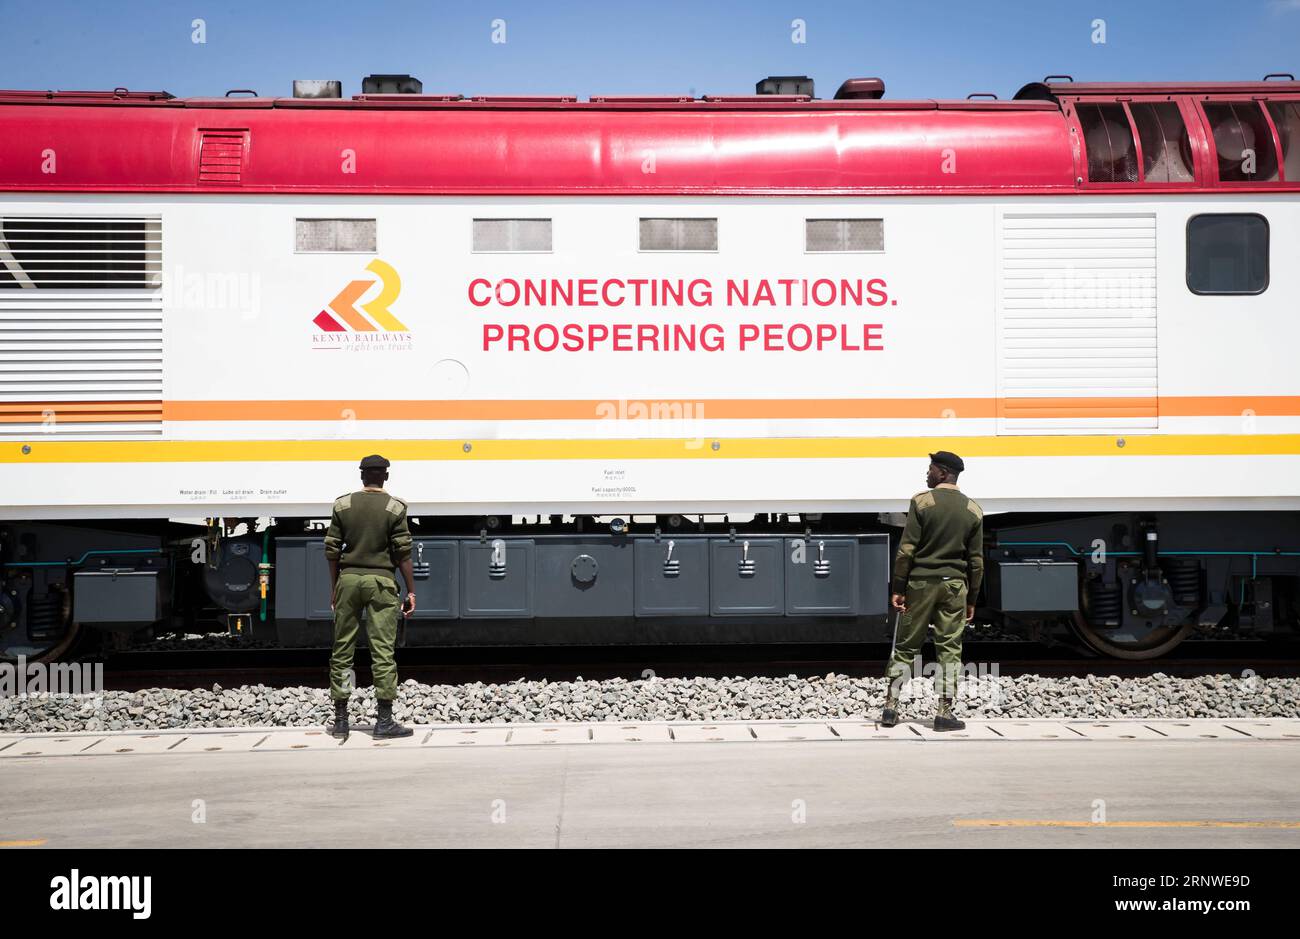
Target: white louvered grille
x: 1077, y: 323
x: 80, y: 326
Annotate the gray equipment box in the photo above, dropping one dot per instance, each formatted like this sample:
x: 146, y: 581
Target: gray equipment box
x: 1034, y: 586
x: 672, y: 576
x: 318, y: 595
x: 597, y: 577
x: 118, y: 595
x: 821, y: 576
x: 496, y: 578
x: 436, y: 565
x: 748, y: 576
x: 584, y: 577
x: 302, y: 579
x: 874, y: 560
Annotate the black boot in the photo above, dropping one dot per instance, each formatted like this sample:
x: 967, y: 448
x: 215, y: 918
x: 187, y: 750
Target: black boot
x: 340, y: 726
x: 386, y: 726
x: 945, y: 720
x: 889, y: 715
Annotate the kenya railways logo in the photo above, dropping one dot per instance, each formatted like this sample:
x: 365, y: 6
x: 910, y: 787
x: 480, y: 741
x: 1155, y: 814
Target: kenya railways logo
x: 350, y: 321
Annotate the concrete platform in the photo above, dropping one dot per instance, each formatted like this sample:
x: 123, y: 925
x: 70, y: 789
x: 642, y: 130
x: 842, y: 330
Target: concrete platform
x: 266, y: 739
x: 844, y: 785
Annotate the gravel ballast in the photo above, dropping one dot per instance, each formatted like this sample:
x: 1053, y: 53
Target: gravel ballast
x: 831, y: 697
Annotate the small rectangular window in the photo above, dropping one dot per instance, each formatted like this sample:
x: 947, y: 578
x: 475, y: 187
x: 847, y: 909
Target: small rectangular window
x: 1227, y: 254
x: 354, y: 235
x: 1243, y: 142
x: 844, y: 234
x: 1108, y: 138
x: 1166, y: 151
x: 1286, y: 118
x: 679, y: 234
x: 512, y: 234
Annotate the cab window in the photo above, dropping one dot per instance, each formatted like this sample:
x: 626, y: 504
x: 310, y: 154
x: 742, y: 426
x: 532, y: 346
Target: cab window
x: 1227, y: 254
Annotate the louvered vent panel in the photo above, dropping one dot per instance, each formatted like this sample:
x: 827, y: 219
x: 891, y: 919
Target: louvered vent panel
x: 679, y: 234
x: 845, y: 234
x: 80, y: 327
x: 221, y: 156
x: 1077, y: 323
x: 512, y: 234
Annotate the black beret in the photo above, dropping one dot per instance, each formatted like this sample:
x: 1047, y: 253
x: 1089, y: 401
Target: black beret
x: 374, y: 461
x: 948, y: 461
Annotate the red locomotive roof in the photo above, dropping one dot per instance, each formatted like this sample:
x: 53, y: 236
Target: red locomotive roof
x: 124, y: 141
x: 538, y: 147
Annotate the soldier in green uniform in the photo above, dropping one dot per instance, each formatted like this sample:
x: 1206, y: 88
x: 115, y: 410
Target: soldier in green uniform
x: 937, y: 576
x: 368, y: 538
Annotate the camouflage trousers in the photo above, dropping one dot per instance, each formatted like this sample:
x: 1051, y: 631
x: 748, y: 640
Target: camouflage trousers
x: 930, y: 600
x: 378, y: 597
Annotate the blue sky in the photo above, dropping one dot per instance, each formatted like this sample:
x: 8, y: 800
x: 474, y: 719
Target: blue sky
x: 921, y: 49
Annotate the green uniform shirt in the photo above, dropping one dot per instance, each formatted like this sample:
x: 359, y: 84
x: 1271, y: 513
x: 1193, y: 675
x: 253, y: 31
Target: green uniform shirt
x: 943, y: 537
x: 368, y: 533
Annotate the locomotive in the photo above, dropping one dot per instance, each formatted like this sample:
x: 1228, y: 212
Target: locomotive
x: 650, y: 369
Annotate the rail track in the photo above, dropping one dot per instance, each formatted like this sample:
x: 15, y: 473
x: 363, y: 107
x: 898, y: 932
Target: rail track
x: 135, y: 670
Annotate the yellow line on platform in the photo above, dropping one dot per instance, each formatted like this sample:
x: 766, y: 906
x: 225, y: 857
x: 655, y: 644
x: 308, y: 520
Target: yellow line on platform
x: 1068, y: 823
x: 35, y: 843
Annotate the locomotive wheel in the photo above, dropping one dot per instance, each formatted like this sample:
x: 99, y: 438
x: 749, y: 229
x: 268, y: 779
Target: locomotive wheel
x: 37, y: 650
x: 1151, y: 646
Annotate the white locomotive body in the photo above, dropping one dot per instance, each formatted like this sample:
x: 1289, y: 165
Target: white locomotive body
x: 970, y: 347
